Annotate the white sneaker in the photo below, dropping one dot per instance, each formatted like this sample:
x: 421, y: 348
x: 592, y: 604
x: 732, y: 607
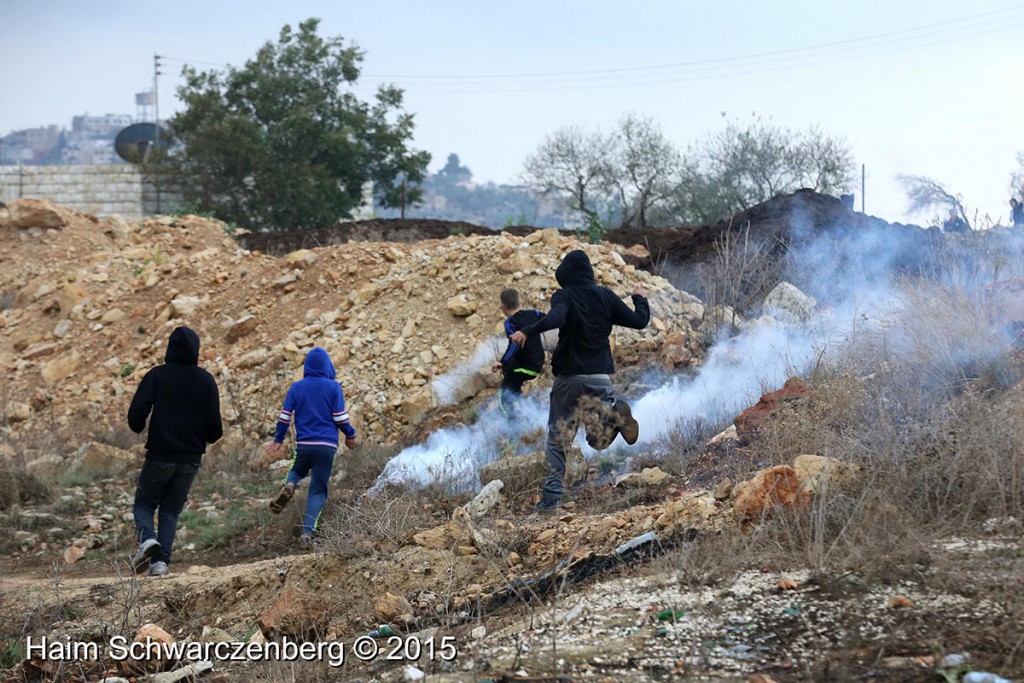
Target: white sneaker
x: 144, y: 555
x: 158, y: 568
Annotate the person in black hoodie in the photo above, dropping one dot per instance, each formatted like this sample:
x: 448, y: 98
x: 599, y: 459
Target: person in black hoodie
x: 519, y: 364
x: 182, y: 403
x: 584, y: 314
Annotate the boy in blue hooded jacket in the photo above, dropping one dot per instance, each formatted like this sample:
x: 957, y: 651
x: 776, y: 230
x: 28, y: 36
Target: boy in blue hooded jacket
x: 316, y: 405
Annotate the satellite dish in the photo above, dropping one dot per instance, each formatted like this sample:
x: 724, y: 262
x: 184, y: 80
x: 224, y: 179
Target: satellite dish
x: 134, y: 143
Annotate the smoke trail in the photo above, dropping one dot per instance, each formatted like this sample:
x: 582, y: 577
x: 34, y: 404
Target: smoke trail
x: 854, y: 272
x: 464, y: 380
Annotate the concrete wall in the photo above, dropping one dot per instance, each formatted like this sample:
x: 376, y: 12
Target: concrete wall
x: 100, y: 190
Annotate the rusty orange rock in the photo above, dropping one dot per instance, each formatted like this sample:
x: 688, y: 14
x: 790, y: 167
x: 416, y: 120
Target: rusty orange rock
x: 773, y: 487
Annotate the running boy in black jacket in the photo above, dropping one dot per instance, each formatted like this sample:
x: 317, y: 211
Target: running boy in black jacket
x: 520, y: 363
x: 584, y: 314
x: 185, y: 407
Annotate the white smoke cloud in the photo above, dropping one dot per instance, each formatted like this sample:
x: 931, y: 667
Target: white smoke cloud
x: 464, y: 380
x: 851, y: 272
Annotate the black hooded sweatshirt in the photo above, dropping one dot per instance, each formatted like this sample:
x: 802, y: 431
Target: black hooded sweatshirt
x: 184, y: 402
x: 584, y: 314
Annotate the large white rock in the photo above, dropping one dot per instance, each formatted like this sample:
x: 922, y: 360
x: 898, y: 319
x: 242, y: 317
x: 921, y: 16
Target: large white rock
x: 788, y: 304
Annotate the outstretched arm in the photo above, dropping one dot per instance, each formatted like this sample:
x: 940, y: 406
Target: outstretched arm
x: 636, y: 319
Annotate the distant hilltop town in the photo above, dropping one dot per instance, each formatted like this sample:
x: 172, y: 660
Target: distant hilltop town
x: 89, y: 141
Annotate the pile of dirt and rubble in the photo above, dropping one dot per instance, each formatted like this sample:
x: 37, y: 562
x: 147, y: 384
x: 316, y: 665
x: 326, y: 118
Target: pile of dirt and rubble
x: 92, y: 302
x: 782, y: 224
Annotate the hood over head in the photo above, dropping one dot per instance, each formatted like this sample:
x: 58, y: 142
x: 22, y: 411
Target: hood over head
x: 575, y: 269
x: 183, y: 347
x: 318, y: 364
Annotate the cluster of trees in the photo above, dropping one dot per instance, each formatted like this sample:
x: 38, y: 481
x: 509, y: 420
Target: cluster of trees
x: 283, y: 143
x: 634, y: 175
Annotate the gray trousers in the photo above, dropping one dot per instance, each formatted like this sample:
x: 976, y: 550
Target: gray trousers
x: 564, y: 421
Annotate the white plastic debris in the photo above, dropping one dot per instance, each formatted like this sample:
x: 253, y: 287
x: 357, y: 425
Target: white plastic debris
x: 414, y: 674
x: 984, y: 677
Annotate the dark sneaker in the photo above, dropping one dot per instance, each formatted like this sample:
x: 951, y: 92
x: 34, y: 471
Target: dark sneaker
x: 158, y: 568
x: 543, y: 508
x: 144, y: 555
x: 282, y: 499
x: 626, y: 423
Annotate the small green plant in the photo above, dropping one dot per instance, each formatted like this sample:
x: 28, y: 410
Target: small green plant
x: 126, y: 369
x: 595, y: 231
x: 12, y: 653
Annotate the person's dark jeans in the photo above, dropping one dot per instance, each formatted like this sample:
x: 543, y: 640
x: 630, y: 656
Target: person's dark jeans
x: 563, y: 422
x: 162, y: 486
x: 511, y: 391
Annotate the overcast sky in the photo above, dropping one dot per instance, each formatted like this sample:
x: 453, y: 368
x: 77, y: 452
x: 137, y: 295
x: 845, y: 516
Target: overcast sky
x: 929, y: 87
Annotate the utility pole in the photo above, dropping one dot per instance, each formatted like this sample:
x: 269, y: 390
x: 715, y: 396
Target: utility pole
x: 862, y: 188
x: 156, y: 115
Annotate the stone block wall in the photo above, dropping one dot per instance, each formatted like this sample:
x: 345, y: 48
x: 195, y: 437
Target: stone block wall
x: 100, y: 190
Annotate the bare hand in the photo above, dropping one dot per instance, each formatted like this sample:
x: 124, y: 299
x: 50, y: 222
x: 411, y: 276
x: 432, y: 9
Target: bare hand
x: 639, y: 291
x: 496, y: 367
x: 518, y: 338
x: 351, y: 442
x: 272, y: 448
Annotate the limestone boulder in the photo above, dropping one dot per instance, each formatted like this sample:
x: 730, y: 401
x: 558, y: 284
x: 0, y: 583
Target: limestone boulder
x: 691, y: 511
x: 239, y: 328
x: 61, y: 368
x: 460, y: 306
x: 788, y: 304
x: 389, y: 606
x: 35, y: 213
x: 303, y: 258
x: 818, y: 472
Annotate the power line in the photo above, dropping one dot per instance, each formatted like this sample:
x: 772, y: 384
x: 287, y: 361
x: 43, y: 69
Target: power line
x: 757, y: 55
x: 651, y: 80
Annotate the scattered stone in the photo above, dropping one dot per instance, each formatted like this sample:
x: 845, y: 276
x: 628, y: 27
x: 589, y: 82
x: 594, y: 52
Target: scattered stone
x: 389, y: 606
x: 484, y: 501
x: 185, y: 306
x: 59, y: 369
x: 239, y: 328
x: 73, y: 554
x: 652, y: 476
x: 460, y: 306
x: 816, y: 471
x: 303, y: 258
x: 900, y: 602
x: 186, y: 673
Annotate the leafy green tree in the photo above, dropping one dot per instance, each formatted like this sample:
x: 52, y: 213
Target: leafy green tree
x: 283, y: 143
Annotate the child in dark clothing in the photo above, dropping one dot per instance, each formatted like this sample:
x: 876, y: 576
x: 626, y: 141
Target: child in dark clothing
x: 519, y: 364
x: 180, y: 401
x: 318, y: 406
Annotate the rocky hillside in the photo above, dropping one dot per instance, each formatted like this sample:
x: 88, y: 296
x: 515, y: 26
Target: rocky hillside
x: 89, y: 305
